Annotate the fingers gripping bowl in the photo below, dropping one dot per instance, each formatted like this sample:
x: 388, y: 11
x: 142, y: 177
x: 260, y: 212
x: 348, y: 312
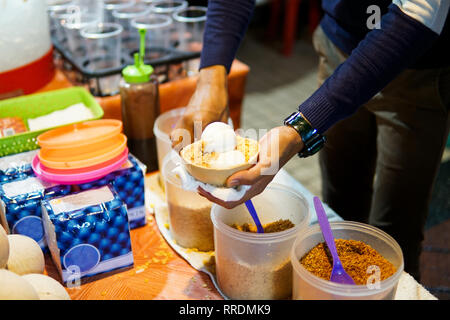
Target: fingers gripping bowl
x: 219, y: 154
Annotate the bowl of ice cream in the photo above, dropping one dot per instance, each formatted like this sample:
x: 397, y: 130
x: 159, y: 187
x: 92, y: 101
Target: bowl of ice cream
x: 219, y: 154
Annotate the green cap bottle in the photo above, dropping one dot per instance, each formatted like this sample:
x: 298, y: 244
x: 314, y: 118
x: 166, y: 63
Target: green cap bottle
x: 139, y: 72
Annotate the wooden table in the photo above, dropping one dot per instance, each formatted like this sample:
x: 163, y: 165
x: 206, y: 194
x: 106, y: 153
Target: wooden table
x: 158, y: 273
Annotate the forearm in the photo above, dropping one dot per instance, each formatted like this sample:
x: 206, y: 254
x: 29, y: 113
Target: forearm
x: 377, y: 60
x: 226, y: 24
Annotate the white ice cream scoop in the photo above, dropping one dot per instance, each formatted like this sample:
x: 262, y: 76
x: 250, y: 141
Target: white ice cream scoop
x: 218, y: 137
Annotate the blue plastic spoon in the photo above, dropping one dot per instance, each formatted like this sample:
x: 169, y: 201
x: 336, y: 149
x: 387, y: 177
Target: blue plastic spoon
x: 338, y: 273
x: 251, y: 209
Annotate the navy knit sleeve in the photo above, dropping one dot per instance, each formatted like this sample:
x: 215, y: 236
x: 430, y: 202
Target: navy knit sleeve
x: 376, y: 61
x: 226, y: 24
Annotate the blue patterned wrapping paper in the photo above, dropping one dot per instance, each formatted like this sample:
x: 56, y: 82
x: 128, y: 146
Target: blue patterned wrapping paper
x: 129, y: 184
x: 91, y: 239
x: 20, y: 205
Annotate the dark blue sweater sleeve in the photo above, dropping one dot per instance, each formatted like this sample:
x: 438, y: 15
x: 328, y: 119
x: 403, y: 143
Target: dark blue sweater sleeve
x: 226, y: 24
x: 376, y: 61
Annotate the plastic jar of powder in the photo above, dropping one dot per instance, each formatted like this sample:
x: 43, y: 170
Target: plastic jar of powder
x: 257, y: 266
x: 189, y: 213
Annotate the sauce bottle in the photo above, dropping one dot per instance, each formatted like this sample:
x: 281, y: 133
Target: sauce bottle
x: 140, y: 107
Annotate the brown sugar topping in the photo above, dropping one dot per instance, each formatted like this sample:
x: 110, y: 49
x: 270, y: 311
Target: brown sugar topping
x: 356, y: 258
x: 276, y: 226
x: 195, y: 152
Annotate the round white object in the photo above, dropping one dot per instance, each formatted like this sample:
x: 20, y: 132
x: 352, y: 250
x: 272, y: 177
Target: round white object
x: 219, y: 137
x: 46, y: 287
x: 14, y: 287
x: 25, y: 255
x: 4, y: 248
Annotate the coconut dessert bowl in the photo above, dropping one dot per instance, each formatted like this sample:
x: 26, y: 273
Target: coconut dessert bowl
x: 197, y: 163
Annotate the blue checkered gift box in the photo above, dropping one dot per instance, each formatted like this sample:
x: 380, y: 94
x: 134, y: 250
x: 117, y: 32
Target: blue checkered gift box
x: 87, y: 233
x: 20, y: 205
x: 128, y: 181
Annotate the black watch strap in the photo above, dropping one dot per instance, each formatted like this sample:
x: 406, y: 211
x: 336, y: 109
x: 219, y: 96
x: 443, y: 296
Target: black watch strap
x: 312, y: 140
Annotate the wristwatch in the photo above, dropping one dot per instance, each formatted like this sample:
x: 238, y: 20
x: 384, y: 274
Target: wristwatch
x: 313, y: 140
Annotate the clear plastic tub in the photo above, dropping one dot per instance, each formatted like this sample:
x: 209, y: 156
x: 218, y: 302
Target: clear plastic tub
x: 253, y: 266
x: 307, y: 286
x: 189, y: 213
x: 162, y: 128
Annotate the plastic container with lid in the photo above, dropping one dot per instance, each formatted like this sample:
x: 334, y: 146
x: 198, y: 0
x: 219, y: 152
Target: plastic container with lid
x: 189, y: 213
x: 164, y: 124
x: 26, y: 52
x: 257, y: 265
x: 307, y: 286
x: 140, y: 107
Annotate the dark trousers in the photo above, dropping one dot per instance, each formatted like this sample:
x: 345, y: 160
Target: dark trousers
x: 379, y: 165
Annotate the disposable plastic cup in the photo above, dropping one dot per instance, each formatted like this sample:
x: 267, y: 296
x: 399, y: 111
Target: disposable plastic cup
x: 158, y: 33
x: 56, y: 11
x: 56, y: 5
x: 72, y: 27
x: 253, y: 266
x: 149, y: 2
x: 169, y: 7
x: 307, y: 286
x: 57, y: 19
x: 103, y: 41
x: 189, y: 213
x: 130, y: 36
x: 164, y: 124
x: 110, y: 5
x: 190, y: 23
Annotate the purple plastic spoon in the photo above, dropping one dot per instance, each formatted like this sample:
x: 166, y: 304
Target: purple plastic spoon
x: 338, y: 273
x: 251, y: 209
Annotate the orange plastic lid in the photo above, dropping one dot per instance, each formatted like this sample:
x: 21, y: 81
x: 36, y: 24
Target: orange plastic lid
x: 90, y: 156
x: 70, y: 153
x: 80, y: 134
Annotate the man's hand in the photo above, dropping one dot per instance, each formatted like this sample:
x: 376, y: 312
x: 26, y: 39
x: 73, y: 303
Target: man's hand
x: 276, y: 148
x: 209, y: 103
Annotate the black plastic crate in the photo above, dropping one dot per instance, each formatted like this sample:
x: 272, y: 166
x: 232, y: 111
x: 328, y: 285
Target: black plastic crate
x: 162, y: 59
